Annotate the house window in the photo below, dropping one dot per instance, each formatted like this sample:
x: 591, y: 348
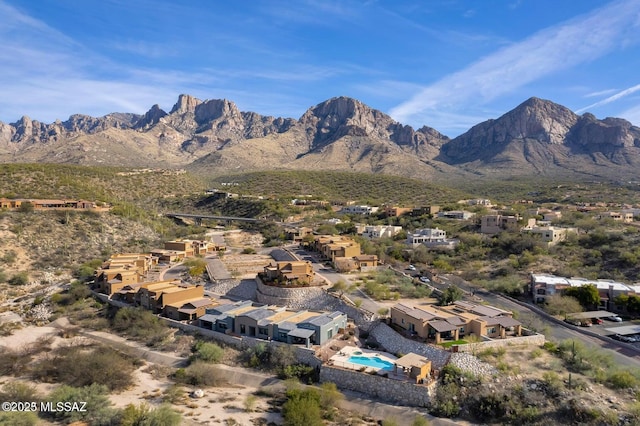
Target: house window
x: 541, y: 291
x: 461, y: 331
x: 222, y: 325
x: 491, y: 330
x: 243, y: 329
x: 263, y: 331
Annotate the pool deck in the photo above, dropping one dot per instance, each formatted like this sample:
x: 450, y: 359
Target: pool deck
x: 341, y: 359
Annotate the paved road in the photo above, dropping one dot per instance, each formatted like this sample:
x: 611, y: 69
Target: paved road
x: 620, y: 354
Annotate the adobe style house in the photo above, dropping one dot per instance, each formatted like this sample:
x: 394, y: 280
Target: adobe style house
x: 425, y: 210
x: 496, y: 223
x: 188, y: 310
x: 455, y: 321
x: 394, y: 211
x: 551, y: 235
x: 333, y: 246
x: 287, y: 273
x: 362, y: 262
x: 191, y: 247
x: 625, y: 217
x: 155, y: 296
x: 297, y: 234
x: 121, y: 270
x: 246, y: 318
x: 110, y: 281
x: 413, y: 366
x: 143, y: 262
x: 46, y: 204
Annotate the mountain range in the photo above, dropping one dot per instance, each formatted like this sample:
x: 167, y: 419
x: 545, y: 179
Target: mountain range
x: 537, y: 138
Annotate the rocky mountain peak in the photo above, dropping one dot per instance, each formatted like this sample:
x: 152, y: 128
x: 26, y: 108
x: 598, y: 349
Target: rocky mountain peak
x: 185, y: 104
x: 217, y: 109
x: 150, y: 118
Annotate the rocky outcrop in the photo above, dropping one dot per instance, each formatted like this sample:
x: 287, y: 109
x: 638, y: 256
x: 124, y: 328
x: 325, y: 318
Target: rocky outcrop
x: 151, y: 118
x: 589, y: 132
x: 339, y: 117
x: 541, y: 137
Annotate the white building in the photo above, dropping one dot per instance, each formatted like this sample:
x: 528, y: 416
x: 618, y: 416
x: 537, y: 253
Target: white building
x: 380, y: 231
x: 550, y: 234
x: 432, y: 238
x: 544, y: 285
x: 366, y: 210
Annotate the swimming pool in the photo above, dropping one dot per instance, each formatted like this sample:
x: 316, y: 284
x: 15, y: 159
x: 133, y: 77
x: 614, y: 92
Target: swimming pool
x: 374, y: 362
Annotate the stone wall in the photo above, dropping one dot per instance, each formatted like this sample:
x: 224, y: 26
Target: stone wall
x: 312, y: 298
x: 394, y: 343
x: 535, y: 339
x: 385, y: 389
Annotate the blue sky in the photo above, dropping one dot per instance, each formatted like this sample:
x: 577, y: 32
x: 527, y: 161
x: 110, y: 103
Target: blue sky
x: 446, y: 64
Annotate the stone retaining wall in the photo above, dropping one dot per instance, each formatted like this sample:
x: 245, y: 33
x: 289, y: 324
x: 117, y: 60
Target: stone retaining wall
x: 536, y: 339
x: 385, y: 389
x: 312, y: 298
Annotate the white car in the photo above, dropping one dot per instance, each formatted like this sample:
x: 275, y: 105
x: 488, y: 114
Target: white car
x: 411, y: 268
x: 425, y: 280
x: 614, y: 319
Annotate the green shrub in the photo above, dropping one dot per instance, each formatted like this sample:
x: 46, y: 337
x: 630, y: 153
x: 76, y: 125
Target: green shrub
x: 21, y: 278
x: 622, y: 379
x: 19, y: 392
x: 78, y: 367
x: 199, y: 373
x: 140, y: 415
x: 248, y: 250
x: 98, y: 410
x: 18, y: 418
x: 208, y: 352
x: 302, y: 408
x: 140, y: 324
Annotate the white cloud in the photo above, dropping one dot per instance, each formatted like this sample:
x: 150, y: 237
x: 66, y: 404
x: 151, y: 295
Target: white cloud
x: 619, y: 95
x: 600, y: 93
x: 553, y: 49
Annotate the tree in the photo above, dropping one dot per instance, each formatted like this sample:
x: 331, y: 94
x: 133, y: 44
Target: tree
x: 557, y: 304
x: 197, y: 266
x: 450, y: 295
x: 587, y: 295
x: 341, y: 287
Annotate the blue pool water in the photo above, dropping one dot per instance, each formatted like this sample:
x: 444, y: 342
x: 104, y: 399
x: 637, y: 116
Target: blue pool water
x: 371, y: 362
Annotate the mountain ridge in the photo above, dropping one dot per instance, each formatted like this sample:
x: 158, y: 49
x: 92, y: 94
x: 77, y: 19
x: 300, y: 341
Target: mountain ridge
x: 341, y: 133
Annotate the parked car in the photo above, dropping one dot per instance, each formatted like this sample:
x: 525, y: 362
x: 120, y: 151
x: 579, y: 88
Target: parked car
x: 425, y: 280
x: 411, y: 268
x: 572, y: 321
x: 614, y: 318
x: 586, y: 323
x: 597, y: 320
